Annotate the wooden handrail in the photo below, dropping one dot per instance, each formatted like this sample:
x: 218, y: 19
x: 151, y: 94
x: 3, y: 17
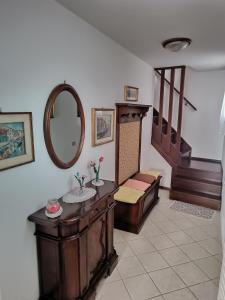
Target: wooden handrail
x: 187, y: 102
x: 170, y: 68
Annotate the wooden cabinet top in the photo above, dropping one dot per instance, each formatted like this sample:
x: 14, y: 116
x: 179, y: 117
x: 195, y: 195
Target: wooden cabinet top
x: 72, y: 213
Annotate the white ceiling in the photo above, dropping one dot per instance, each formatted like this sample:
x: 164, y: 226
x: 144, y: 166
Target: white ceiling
x: 141, y: 26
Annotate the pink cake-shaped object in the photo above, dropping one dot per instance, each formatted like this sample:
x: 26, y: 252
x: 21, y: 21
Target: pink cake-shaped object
x: 137, y: 185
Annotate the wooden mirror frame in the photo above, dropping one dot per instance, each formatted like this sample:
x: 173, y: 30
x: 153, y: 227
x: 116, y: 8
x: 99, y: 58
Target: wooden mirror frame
x: 47, y: 117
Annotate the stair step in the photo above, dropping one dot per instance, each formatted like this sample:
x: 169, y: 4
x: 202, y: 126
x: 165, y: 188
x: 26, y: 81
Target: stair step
x: 210, y: 181
x: 195, y: 186
x: 208, y: 165
x: 194, y: 180
x: 198, y: 174
x: 202, y: 194
x: 195, y: 198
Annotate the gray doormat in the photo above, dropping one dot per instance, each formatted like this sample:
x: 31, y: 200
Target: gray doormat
x: 194, y: 210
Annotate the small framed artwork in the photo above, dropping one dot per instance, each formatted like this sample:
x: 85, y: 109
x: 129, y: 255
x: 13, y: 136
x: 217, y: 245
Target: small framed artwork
x: 16, y: 139
x: 102, y: 125
x: 130, y: 93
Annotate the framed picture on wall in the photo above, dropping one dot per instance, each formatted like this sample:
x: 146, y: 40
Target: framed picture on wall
x: 16, y: 139
x: 130, y: 93
x: 102, y: 125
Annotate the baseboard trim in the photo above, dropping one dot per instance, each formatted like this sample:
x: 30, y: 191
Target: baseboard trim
x: 164, y: 187
x: 207, y: 160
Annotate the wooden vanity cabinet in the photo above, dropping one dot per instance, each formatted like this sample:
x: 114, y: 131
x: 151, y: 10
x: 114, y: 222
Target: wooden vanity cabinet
x: 76, y: 249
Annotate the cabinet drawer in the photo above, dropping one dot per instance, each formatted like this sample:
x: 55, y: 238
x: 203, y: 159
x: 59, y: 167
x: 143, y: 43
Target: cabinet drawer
x: 111, y: 200
x: 98, y: 209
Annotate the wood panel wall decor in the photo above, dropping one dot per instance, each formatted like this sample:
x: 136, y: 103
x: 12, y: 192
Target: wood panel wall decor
x: 128, y: 118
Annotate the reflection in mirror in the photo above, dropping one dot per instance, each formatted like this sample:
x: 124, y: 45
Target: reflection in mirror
x: 65, y: 126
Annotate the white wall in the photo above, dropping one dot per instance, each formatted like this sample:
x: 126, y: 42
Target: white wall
x: 42, y: 44
x: 200, y: 128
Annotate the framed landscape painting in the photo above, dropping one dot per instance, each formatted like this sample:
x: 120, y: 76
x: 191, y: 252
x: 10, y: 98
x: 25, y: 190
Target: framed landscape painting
x: 130, y: 93
x: 16, y: 139
x: 102, y: 126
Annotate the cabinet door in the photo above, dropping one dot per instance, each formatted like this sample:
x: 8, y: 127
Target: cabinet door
x: 96, y: 245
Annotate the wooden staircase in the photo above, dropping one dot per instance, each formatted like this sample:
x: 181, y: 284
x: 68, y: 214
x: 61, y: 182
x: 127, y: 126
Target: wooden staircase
x: 194, y: 180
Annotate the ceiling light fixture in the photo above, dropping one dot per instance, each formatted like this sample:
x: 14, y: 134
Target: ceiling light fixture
x: 176, y: 44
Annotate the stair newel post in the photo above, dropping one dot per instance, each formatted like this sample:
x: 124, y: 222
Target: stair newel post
x: 162, y: 79
x: 180, y: 109
x: 170, y: 112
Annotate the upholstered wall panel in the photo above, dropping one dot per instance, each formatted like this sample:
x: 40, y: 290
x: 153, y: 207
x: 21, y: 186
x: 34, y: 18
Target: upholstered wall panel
x: 129, y: 141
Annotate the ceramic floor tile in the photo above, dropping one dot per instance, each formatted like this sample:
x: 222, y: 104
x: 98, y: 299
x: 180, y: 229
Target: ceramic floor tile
x: 167, y: 226
x: 161, y: 242
x: 198, y: 220
x: 197, y: 234
x: 114, y: 290
x: 190, y: 273
x: 180, y: 238
x: 170, y: 232
x: 117, y: 235
x: 152, y: 261
x: 141, y: 287
x: 216, y: 282
x: 194, y: 251
x: 173, y: 215
x: 205, y: 291
x: 184, y: 223
x: 219, y: 257
x: 177, y: 216
x: 183, y: 294
x: 210, y: 266
x: 123, y: 249
x: 128, y: 236
x: 166, y: 280
x: 163, y: 193
x: 150, y: 229
x: 212, y: 246
x: 157, y: 298
x: 157, y: 216
x: 114, y: 276
x: 174, y: 256
x: 129, y: 267
x: 141, y: 246
x: 212, y: 230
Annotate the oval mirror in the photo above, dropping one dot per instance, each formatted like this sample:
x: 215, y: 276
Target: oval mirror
x: 64, y: 126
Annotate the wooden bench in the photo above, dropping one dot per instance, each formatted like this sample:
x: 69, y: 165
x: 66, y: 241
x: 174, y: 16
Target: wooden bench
x: 131, y: 217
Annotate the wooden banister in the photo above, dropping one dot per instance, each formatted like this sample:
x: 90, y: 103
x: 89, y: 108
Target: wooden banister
x: 170, y: 112
x: 161, y: 100
x: 180, y: 108
x: 169, y: 68
x: 187, y: 102
x: 167, y: 138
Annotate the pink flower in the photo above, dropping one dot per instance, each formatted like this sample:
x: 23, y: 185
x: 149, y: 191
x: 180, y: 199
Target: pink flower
x: 101, y: 158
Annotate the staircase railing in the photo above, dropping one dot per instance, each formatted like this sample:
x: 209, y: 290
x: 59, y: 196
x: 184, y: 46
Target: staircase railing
x: 165, y: 137
x: 186, y: 101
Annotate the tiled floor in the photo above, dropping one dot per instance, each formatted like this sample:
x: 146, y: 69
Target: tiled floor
x: 176, y: 256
